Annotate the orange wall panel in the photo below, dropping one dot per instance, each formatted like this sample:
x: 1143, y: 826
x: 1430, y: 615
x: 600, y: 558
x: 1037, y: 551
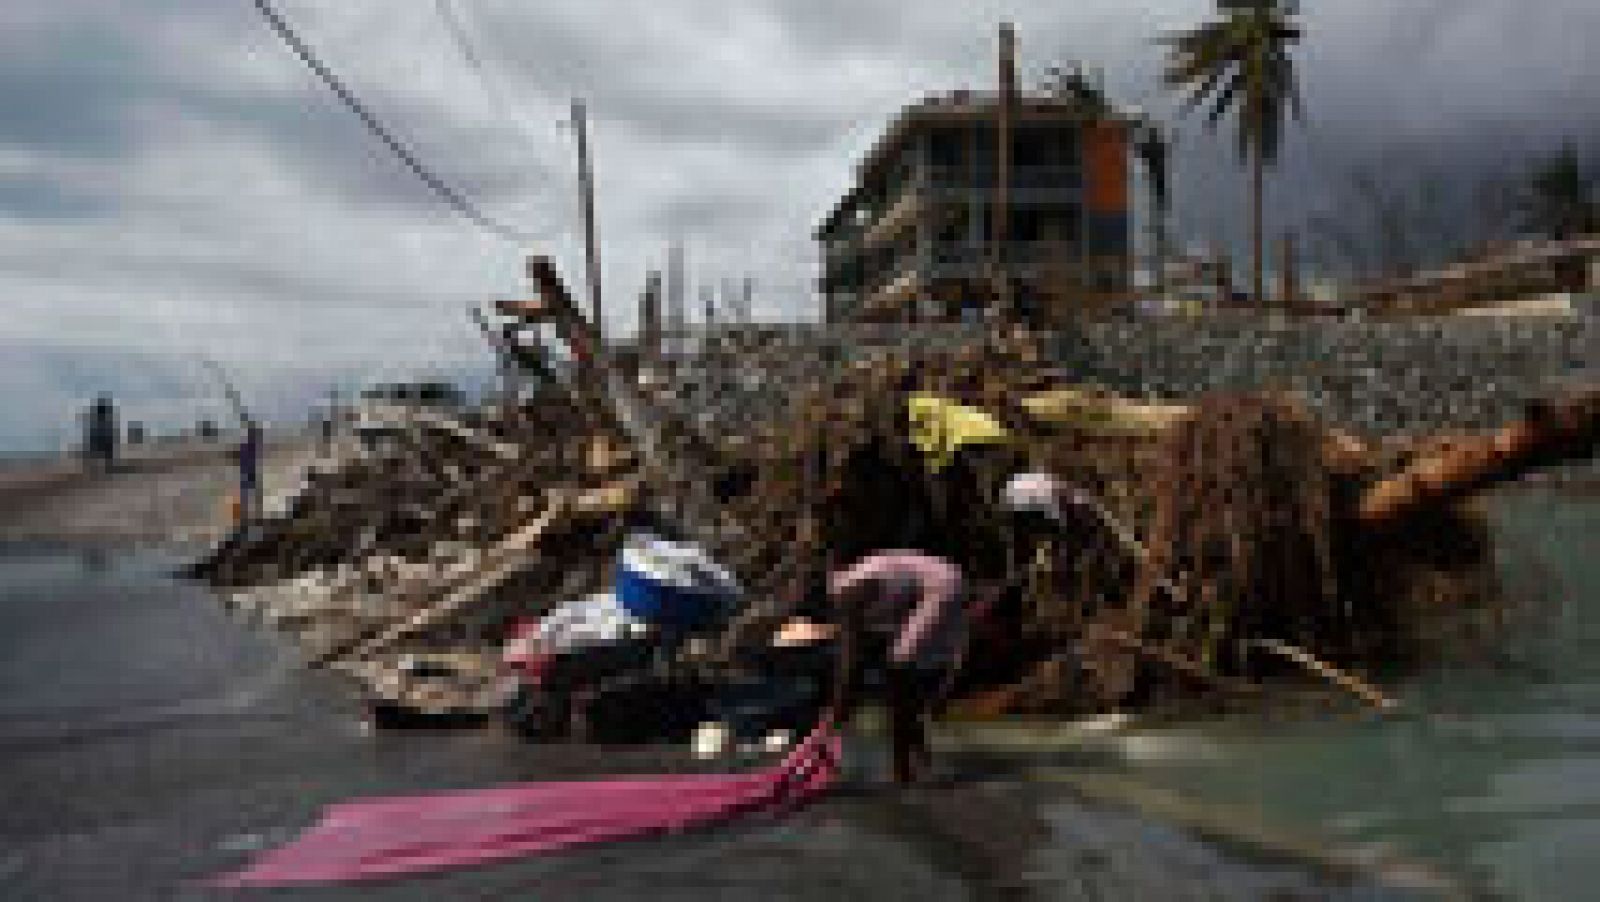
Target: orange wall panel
x: 1106, y: 168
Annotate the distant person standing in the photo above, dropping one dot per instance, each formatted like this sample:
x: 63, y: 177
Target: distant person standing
x: 100, y: 435
x: 249, y: 473
x: 325, y: 429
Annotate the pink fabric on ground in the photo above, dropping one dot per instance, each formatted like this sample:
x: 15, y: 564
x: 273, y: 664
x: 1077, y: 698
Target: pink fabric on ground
x: 375, y: 838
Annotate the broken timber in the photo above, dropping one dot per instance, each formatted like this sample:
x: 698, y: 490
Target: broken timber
x: 470, y: 582
x: 670, y: 453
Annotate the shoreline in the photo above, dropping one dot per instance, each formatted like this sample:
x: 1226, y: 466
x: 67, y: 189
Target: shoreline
x: 176, y: 498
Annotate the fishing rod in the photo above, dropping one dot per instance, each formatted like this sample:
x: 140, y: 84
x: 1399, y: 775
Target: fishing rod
x: 228, y: 389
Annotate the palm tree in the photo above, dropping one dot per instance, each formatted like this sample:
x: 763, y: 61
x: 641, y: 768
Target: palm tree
x: 1240, y: 62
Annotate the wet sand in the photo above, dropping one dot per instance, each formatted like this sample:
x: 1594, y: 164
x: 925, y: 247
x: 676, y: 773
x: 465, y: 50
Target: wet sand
x: 151, y: 741
x: 174, y: 497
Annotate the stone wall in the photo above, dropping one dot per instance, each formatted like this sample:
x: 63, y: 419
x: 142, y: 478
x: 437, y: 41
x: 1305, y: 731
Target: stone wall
x: 1371, y: 377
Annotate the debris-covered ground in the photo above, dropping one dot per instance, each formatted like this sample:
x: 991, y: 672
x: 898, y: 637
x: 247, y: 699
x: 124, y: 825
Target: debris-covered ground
x: 1222, y: 548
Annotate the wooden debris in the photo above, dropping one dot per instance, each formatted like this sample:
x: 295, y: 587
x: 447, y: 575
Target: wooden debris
x: 1345, y: 680
x: 1216, y: 526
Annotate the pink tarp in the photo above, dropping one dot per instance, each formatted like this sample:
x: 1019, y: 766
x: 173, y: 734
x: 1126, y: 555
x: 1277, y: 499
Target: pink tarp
x: 377, y: 838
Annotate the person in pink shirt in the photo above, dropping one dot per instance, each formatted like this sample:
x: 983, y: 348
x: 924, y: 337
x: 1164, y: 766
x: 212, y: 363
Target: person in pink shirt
x: 905, y: 609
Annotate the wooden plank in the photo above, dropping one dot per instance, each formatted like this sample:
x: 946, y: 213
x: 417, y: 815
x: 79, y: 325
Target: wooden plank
x: 439, y: 422
x: 500, y: 563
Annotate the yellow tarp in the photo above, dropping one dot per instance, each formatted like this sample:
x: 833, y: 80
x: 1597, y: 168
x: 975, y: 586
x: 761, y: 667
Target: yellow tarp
x: 939, y: 426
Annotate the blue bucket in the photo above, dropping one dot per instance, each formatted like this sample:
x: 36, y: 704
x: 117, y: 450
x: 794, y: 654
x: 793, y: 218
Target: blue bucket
x: 671, y: 584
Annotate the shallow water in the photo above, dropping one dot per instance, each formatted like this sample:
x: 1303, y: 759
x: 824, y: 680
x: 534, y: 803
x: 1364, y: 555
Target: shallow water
x: 1494, y: 776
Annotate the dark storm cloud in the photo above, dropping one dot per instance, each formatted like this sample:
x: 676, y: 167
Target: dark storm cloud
x: 337, y: 155
x: 48, y: 200
x: 267, y: 285
x: 96, y: 87
x: 68, y: 91
x: 172, y: 155
x: 692, y: 92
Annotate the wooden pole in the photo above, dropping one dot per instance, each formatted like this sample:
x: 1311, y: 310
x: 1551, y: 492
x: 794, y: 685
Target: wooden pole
x: 591, y: 249
x: 1288, y: 273
x: 1001, y: 221
x: 675, y: 293
x: 1161, y: 208
x: 650, y: 316
x: 1222, y: 275
x: 1257, y: 233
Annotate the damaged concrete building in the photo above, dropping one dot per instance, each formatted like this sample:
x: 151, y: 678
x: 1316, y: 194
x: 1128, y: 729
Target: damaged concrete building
x: 915, y: 238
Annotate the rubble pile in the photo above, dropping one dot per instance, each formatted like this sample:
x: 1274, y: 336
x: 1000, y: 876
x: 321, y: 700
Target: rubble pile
x: 1210, y: 547
x: 408, y: 551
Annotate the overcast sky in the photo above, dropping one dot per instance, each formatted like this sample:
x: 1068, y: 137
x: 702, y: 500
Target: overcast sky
x: 172, y: 179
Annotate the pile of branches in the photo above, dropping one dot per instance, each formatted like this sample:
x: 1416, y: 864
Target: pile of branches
x: 1225, y: 552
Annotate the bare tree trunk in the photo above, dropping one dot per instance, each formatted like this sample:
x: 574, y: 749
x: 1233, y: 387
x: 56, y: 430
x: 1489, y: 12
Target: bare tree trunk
x: 1553, y: 432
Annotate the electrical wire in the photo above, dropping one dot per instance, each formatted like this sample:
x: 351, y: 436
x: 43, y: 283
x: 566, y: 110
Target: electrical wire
x: 437, y: 185
x: 455, y: 25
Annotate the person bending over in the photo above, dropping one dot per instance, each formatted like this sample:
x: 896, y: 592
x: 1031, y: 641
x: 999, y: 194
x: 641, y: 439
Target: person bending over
x: 900, y: 614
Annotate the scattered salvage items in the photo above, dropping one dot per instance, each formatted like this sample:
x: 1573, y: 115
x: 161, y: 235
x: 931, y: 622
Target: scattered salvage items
x: 416, y: 687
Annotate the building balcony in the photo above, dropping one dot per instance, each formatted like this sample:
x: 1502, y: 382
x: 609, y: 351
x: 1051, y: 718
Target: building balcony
x: 1023, y: 257
x: 1029, y: 184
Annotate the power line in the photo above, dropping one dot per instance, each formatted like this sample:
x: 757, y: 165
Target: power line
x: 442, y: 189
x: 454, y: 19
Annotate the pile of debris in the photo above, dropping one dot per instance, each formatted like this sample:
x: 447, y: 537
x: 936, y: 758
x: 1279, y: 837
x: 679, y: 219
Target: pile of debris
x: 396, y: 560
x: 1219, y: 545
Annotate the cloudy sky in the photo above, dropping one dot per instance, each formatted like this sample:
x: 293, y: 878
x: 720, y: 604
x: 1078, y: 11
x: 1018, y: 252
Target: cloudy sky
x: 174, y: 182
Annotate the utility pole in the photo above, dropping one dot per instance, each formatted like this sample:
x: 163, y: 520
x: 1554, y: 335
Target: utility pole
x: 591, y: 249
x: 1004, y: 112
x: 734, y: 301
x: 1288, y: 273
x: 747, y: 299
x: 708, y: 322
x: 675, y: 291
x: 650, y: 316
